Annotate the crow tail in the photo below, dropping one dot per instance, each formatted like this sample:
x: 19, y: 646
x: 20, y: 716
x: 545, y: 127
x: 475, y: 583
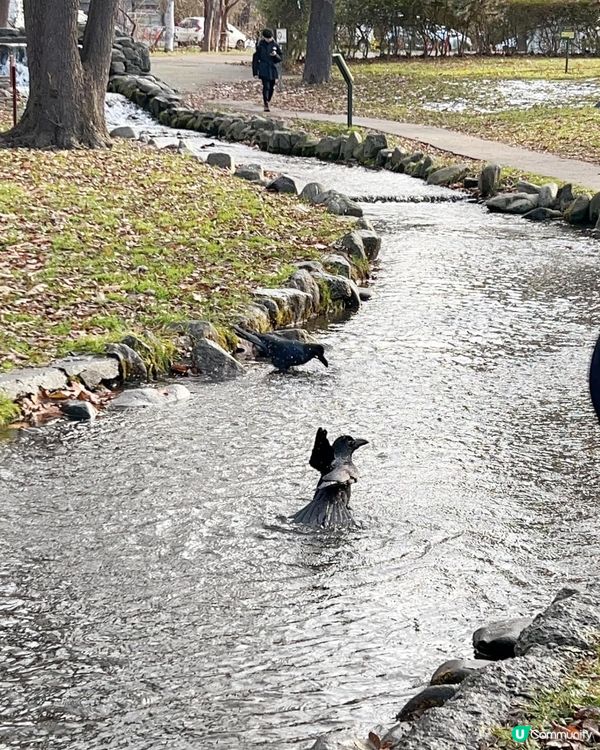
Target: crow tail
x: 328, y: 509
x: 251, y: 337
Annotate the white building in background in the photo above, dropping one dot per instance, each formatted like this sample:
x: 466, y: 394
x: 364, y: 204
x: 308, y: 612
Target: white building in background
x: 15, y: 13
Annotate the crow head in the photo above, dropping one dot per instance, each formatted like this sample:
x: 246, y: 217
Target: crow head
x: 318, y: 352
x: 345, y: 445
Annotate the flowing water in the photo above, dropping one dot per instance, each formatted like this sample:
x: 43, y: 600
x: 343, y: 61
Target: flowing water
x: 152, y: 592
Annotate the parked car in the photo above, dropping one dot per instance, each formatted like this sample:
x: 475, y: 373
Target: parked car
x: 191, y: 31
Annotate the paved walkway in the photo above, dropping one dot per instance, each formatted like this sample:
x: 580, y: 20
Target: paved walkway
x: 190, y: 72
x: 570, y: 170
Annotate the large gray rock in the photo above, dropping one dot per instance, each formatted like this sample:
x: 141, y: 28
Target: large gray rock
x: 341, y: 290
x: 353, y: 245
x: 578, y: 211
x: 430, y: 697
x: 221, y: 160
x: 564, y: 197
x: 283, y: 184
x: 280, y: 142
x: 448, y: 175
x: 489, y: 180
x: 372, y: 145
x: 144, y: 397
x: 303, y: 280
x: 131, y: 363
x: 353, y: 142
x: 512, y: 203
x: 572, y: 620
x: 595, y: 208
x: 250, y: 172
x: 547, y: 195
x: 311, y: 190
x: 20, y: 383
x: 212, y: 361
x: 454, y: 671
x: 523, y: 186
x: 371, y: 242
x: 338, y: 265
x: 124, y: 131
x: 328, y: 148
x: 90, y: 370
x: 498, y: 639
x: 287, y: 305
x: 542, y: 214
x: 78, y: 411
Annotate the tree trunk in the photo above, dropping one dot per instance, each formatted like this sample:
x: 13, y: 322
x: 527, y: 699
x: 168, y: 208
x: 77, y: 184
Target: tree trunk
x: 65, y: 108
x: 209, y: 22
x: 317, y: 67
x: 170, y: 26
x: 4, y: 7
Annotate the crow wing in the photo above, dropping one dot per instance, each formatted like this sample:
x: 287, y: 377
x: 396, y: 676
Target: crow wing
x: 322, y: 455
x: 342, y: 475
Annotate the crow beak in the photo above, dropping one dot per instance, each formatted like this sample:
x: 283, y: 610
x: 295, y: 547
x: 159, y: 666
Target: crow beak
x: 359, y: 442
x: 323, y: 360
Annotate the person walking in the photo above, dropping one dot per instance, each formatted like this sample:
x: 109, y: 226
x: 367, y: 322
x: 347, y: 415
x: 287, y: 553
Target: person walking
x: 264, y: 65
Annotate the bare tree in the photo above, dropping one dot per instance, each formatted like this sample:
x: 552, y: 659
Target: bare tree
x: 4, y: 8
x: 65, y: 108
x: 209, y: 25
x: 319, y: 45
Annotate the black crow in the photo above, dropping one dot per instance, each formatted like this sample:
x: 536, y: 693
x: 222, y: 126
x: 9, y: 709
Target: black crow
x: 283, y: 353
x: 330, y: 505
x: 594, y: 379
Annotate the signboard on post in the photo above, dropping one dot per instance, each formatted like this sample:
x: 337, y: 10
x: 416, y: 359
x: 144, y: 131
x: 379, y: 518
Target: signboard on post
x: 567, y: 35
x: 281, y: 36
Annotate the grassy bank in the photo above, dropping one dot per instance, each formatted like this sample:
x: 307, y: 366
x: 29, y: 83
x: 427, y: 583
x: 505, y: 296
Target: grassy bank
x: 491, y: 97
x: 97, y: 244
x: 572, y: 707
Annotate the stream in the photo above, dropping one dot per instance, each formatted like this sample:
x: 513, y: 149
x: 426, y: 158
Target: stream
x: 152, y: 593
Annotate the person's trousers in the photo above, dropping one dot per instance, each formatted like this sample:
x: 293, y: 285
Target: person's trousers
x: 268, y: 88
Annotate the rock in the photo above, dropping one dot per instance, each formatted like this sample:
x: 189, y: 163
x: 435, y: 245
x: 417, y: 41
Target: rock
x: 312, y: 266
x: 92, y: 371
x: 222, y: 160
x: 341, y: 740
x: 280, y: 142
x: 542, y: 214
x: 132, y: 365
x: 28, y: 381
x: 383, y: 157
x: 287, y: 305
x: 471, y: 183
x: 124, y: 132
x: 250, y: 172
x: 199, y: 329
x: 351, y: 145
x: 353, y: 245
x: 448, y: 175
x: 512, y: 203
x: 117, y: 68
x: 143, y: 397
x: 430, y: 697
x: 397, y: 156
x: 498, y: 639
x: 297, y: 334
x: 213, y: 361
x: 364, y: 223
x: 527, y: 187
x: 339, y: 204
x: 594, y: 214
x: 341, y: 290
x: 571, y: 621
x: 283, y: 184
x: 454, y: 671
x: 328, y: 148
x: 372, y: 145
x: 371, y: 242
x: 303, y: 280
x: 578, y: 212
x: 365, y: 294
x: 311, y: 190
x: 489, y: 180
x: 564, y: 197
x: 547, y: 195
x: 338, y: 265
x: 78, y: 411
x: 255, y: 318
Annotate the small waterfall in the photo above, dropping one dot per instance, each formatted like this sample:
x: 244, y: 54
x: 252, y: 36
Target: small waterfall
x: 19, y: 50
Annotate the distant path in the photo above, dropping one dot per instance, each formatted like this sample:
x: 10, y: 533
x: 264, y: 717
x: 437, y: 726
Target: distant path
x: 190, y: 72
x: 570, y: 170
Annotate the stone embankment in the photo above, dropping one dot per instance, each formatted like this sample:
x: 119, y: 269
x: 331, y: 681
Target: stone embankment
x: 468, y: 700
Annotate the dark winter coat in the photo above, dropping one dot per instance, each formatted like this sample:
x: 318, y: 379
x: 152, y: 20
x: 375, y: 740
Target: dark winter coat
x: 264, y: 62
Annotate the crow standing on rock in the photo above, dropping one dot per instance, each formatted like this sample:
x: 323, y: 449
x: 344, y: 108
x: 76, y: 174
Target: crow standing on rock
x: 330, y: 506
x: 283, y: 353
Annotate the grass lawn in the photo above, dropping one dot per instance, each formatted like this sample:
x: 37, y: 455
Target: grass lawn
x: 526, y: 101
x: 97, y: 244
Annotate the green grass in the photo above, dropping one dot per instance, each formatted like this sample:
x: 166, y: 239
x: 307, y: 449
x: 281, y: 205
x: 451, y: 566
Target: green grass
x: 95, y: 245
x: 9, y: 411
x: 558, y: 707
